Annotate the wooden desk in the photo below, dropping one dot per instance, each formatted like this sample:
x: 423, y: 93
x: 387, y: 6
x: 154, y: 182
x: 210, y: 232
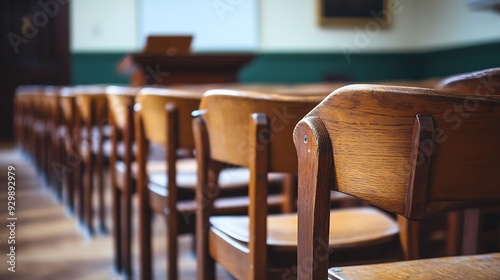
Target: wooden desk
x: 465, y: 267
x: 153, y: 69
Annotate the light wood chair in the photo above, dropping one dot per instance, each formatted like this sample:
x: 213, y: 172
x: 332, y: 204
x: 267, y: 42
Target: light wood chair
x: 121, y: 101
x: 53, y: 124
x: 481, y: 83
x: 25, y: 117
x: 91, y: 103
x: 163, y: 117
x: 254, y: 130
x: 71, y: 159
x: 396, y: 148
x: 457, y: 268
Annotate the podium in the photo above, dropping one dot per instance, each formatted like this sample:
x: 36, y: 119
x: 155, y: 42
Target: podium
x: 183, y: 68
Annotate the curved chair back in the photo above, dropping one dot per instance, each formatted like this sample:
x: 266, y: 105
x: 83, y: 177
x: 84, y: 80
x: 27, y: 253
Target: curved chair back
x: 228, y: 118
x: 92, y: 104
x: 484, y: 82
x: 153, y: 103
x: 410, y: 151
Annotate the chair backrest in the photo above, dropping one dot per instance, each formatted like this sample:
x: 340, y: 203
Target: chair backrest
x: 408, y: 150
x: 67, y: 103
x: 227, y: 116
x: 411, y: 151
x: 120, y: 101
x: 92, y: 104
x: 484, y: 82
x: 52, y: 105
x: 153, y: 102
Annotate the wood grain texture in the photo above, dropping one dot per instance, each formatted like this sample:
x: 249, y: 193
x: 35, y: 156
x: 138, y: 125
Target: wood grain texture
x: 119, y: 100
x: 225, y: 110
x: 351, y: 227
x: 263, y: 144
x: 399, y: 148
x: 466, y: 267
x: 120, y: 109
x: 155, y: 99
x: 481, y: 83
x: 371, y: 132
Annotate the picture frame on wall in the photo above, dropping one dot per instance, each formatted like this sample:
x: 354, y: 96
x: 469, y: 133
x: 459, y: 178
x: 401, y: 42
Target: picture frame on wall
x: 342, y: 12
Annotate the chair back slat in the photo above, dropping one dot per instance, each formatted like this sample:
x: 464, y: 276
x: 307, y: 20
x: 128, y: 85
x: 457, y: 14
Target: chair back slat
x: 92, y: 104
x: 153, y: 102
x: 230, y: 110
x: 120, y: 99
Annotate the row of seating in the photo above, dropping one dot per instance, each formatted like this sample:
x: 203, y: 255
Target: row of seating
x: 219, y: 161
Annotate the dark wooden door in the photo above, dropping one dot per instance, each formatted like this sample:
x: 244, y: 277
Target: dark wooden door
x: 34, y: 49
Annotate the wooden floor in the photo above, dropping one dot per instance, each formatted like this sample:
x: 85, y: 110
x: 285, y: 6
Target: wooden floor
x: 49, y: 242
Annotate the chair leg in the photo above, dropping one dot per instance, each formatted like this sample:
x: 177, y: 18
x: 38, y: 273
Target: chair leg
x: 145, y: 241
x: 79, y: 186
x: 89, y: 192
x: 289, y: 191
x: 100, y: 182
x: 454, y: 233
x: 408, y: 231
x: 205, y: 263
x: 117, y: 242
x: 172, y: 245
x: 471, y: 231
x: 126, y: 212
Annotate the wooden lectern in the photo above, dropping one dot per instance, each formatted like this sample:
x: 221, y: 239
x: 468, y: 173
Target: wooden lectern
x: 176, y: 65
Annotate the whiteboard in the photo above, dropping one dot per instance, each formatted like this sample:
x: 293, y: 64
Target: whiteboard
x: 217, y: 25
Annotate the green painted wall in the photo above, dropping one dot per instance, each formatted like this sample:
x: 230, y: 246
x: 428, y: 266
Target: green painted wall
x: 92, y: 68
x: 96, y: 68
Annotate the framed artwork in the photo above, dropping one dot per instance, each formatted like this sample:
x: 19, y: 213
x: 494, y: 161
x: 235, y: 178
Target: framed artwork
x: 335, y: 12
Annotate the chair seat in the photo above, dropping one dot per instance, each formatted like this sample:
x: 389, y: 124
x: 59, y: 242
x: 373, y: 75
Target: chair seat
x: 464, y: 267
x: 350, y: 227
x: 186, y: 176
x: 97, y: 131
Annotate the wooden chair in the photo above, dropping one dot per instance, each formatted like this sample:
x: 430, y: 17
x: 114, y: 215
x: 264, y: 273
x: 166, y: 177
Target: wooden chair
x: 40, y: 134
x: 92, y: 105
x: 25, y: 117
x: 71, y: 160
x: 396, y: 148
x: 53, y: 125
x: 480, y: 83
x: 456, y: 268
x: 254, y: 130
x: 120, y: 102
x: 163, y: 117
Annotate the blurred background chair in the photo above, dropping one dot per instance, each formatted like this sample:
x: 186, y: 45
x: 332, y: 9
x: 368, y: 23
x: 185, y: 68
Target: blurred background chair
x: 258, y: 136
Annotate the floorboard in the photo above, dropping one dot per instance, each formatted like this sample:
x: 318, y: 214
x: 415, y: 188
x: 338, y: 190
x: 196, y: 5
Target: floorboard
x: 51, y: 245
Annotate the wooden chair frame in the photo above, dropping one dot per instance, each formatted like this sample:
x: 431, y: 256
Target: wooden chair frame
x: 316, y: 162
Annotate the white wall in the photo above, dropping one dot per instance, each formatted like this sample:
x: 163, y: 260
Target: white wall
x: 103, y: 25
x: 278, y: 26
x: 292, y: 25
x: 447, y: 23
x: 217, y: 25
